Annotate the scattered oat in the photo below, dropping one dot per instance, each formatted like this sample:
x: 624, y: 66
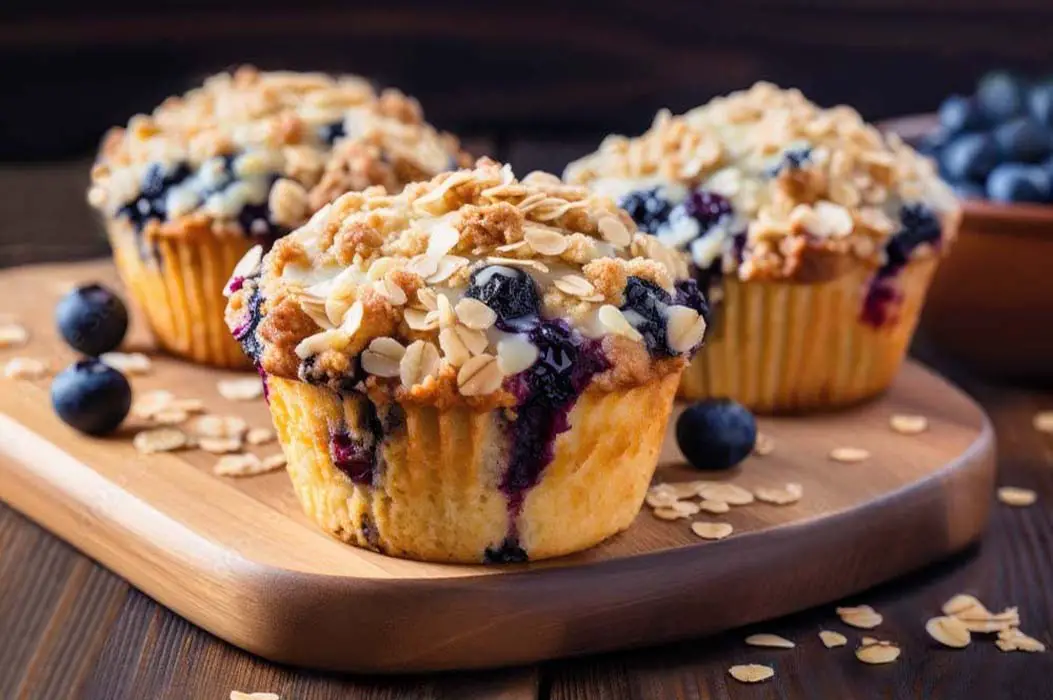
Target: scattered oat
x: 220, y: 426
x: 152, y: 402
x: 13, y: 335
x: 669, y: 513
x: 658, y: 496
x: 132, y: 363
x: 981, y: 621
x: 874, y: 651
x: 711, y: 531
x: 949, y: 631
x: 963, y: 603
x: 863, y: 617
x: 219, y: 445
x: 1017, y: 497
x: 715, y: 507
x: 1043, y: 420
x: 160, y: 440
x: 849, y: 455
x: 25, y: 368
x: 170, y: 416
x: 238, y: 695
x: 1013, y: 639
x: 769, y: 640
x: 791, y: 493
x: 728, y: 493
x: 187, y: 405
x: 259, y: 436
x: 764, y: 445
x: 273, y: 462
x: 243, y: 464
x: 751, y: 673
x: 906, y: 424
x: 240, y: 389
x: 832, y: 639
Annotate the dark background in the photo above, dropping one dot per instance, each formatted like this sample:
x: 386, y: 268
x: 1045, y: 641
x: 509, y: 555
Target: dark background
x: 504, y: 71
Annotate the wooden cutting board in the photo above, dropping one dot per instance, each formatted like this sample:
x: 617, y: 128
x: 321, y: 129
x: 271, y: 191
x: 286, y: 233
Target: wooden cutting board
x: 237, y: 557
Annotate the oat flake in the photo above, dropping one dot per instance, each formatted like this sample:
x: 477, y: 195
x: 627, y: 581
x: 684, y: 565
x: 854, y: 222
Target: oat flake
x: 1017, y: 497
x: 711, y: 531
x: 1043, y: 421
x: 877, y: 652
x: 25, y: 368
x: 949, y: 631
x: 849, y: 455
x: 219, y: 445
x: 1014, y: 640
x: 764, y: 445
x: 751, y: 673
x: 238, y: 695
x: 832, y: 639
x: 13, y: 335
x: 131, y: 363
x: 160, y: 440
x: 908, y: 424
x: 769, y: 640
x: 863, y: 617
x: 259, y: 436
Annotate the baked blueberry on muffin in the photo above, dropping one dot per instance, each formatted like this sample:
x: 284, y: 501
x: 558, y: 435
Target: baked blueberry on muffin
x: 242, y: 160
x: 813, y: 235
x: 476, y: 369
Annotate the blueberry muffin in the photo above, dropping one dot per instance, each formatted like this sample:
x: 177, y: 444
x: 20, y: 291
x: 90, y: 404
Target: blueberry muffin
x: 478, y: 369
x: 813, y: 236
x: 244, y: 159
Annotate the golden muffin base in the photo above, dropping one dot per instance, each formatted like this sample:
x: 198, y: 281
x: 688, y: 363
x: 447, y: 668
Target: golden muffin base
x: 180, y: 291
x: 783, y: 347
x: 435, y: 495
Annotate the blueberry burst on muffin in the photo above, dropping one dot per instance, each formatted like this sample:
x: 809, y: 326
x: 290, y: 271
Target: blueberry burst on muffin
x: 242, y: 160
x: 476, y: 369
x: 816, y: 233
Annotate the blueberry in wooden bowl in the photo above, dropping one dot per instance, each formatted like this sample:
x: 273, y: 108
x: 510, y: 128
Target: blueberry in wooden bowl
x: 991, y: 303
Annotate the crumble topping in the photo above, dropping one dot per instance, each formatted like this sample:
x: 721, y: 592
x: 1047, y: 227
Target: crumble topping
x: 445, y: 292
x: 255, y: 152
x: 762, y: 183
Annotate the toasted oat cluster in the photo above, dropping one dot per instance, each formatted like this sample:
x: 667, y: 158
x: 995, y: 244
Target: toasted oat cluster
x: 455, y: 286
x: 255, y: 152
x: 765, y: 184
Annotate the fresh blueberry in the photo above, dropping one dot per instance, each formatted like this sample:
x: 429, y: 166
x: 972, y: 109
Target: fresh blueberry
x: 716, y: 434
x: 510, y: 552
x: 968, y: 190
x: 958, y: 114
x: 647, y: 208
x: 792, y: 159
x: 1013, y: 182
x: 329, y: 133
x: 969, y: 157
x: 1040, y: 103
x: 919, y: 225
x: 707, y: 208
x: 92, y: 319
x: 1001, y: 95
x: 645, y: 309
x: 1022, y: 141
x: 91, y: 397
x: 510, y: 292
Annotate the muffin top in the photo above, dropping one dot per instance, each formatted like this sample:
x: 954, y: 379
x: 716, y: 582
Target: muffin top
x: 472, y: 288
x: 255, y: 152
x: 765, y: 184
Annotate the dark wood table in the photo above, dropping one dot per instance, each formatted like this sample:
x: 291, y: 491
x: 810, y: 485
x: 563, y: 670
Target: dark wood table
x: 71, y: 629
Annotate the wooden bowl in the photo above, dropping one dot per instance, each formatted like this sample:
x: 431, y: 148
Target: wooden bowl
x: 991, y: 302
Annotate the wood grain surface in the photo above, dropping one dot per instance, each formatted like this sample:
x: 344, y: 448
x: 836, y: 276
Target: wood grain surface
x: 238, y: 557
x: 72, y: 629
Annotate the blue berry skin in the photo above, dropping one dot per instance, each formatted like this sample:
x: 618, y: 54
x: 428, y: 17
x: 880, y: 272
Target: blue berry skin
x: 1022, y: 141
x: 1001, y: 96
x: 92, y: 319
x: 959, y: 114
x: 969, y: 157
x: 1040, y: 104
x: 510, y: 292
x: 1013, y: 182
x: 968, y: 190
x: 647, y: 208
x: 716, y: 434
x: 91, y: 397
